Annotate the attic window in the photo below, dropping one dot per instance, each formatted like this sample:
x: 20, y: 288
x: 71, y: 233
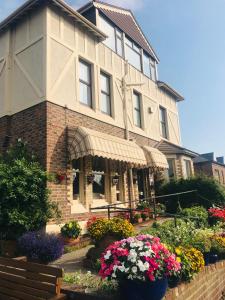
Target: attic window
x: 133, y: 54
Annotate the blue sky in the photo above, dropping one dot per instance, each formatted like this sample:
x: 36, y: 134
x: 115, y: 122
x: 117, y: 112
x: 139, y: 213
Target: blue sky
x: 188, y: 37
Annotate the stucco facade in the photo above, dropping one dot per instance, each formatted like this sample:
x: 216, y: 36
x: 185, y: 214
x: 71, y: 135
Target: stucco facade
x: 40, y: 99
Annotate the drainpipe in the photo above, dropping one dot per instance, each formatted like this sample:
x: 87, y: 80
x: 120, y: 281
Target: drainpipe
x: 127, y: 134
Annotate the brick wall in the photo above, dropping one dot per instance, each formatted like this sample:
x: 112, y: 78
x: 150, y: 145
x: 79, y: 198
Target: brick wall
x: 211, y: 169
x: 207, y: 285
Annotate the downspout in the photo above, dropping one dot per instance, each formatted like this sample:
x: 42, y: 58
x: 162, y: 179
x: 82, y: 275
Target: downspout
x: 127, y: 133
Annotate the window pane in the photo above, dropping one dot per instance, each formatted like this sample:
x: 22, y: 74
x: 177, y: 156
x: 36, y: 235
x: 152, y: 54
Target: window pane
x: 153, y: 70
x: 171, y: 170
x: 105, y: 83
x: 85, y: 72
x: 137, y: 110
x: 162, y: 115
x: 85, y: 94
x: 146, y: 66
x: 99, y: 184
x: 105, y: 104
x: 109, y: 30
x: 133, y: 58
x: 119, y: 46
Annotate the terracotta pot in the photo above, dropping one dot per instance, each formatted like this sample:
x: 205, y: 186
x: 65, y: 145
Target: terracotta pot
x: 71, y: 241
x: 8, y: 248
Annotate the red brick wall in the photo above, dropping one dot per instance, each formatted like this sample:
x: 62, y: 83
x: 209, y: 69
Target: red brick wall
x: 43, y: 127
x: 207, y: 285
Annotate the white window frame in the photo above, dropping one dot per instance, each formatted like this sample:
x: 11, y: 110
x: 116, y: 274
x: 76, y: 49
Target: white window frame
x: 165, y: 122
x: 88, y: 84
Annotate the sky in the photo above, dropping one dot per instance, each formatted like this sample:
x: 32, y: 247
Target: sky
x: 188, y: 37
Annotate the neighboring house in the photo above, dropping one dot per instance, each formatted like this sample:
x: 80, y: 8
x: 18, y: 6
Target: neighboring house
x: 180, y: 160
x: 66, y: 90
x: 208, y: 165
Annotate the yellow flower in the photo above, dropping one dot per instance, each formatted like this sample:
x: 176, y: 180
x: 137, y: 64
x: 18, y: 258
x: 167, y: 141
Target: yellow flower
x: 178, y: 259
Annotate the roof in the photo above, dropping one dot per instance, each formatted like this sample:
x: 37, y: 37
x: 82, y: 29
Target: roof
x: 170, y: 90
x: 202, y: 160
x: 169, y: 148
x: 33, y: 4
x: 125, y: 20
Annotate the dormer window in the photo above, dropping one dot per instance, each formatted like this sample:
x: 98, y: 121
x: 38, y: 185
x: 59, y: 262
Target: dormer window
x: 149, y: 68
x: 133, y: 54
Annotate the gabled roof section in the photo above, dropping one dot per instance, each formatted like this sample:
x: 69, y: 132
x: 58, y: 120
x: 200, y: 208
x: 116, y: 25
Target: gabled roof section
x: 68, y: 10
x: 125, y: 20
x: 164, y: 86
x: 169, y: 148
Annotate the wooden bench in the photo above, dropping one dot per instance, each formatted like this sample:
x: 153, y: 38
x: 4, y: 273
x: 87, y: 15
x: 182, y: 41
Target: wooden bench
x: 21, y: 280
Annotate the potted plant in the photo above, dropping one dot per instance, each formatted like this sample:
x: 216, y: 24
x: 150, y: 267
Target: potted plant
x: 137, y: 218
x: 70, y: 232
x: 141, y: 265
x: 218, y: 248
x: 144, y: 216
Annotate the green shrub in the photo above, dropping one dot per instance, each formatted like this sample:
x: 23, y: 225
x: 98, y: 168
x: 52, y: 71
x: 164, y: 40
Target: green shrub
x: 120, y: 228
x: 71, y: 230
x: 209, y: 193
x: 24, y: 197
x: 201, y: 240
x: 198, y: 212
x: 171, y: 235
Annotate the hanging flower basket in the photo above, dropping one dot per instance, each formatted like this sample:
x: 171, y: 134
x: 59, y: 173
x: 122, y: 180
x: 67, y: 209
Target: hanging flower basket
x: 90, y: 178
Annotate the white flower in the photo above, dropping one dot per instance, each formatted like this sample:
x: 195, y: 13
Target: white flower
x: 132, y: 256
x: 134, y: 269
x: 107, y: 255
x: 130, y: 277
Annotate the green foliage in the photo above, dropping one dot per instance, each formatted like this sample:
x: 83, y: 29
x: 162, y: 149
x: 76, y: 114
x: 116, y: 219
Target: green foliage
x: 209, y: 193
x: 201, y: 240
x: 171, y: 235
x: 71, y: 230
x: 198, y: 212
x: 92, y: 282
x: 24, y: 197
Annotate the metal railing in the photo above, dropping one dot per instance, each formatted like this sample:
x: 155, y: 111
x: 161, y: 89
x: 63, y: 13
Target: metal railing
x: 132, y: 206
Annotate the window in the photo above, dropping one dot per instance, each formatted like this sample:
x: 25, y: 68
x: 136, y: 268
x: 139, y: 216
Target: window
x: 99, y: 170
x: 133, y: 54
x: 105, y: 94
x: 76, y: 165
x: 85, y: 83
x: 187, y: 168
x: 163, y: 122
x: 146, y: 65
x: 119, y: 42
x: 153, y: 69
x: 171, y: 170
x: 137, y: 110
x: 109, y: 30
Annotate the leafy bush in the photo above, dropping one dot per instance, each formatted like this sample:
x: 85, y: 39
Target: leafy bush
x: 209, y: 192
x: 218, y: 245
x: 197, y: 212
x: 192, y: 261
x: 24, y: 197
x: 71, y: 230
x: 120, y: 228
x: 41, y: 246
x: 172, y: 235
x: 201, y: 240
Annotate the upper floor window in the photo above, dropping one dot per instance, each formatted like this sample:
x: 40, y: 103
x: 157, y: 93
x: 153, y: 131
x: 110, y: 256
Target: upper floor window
x: 109, y: 30
x: 119, y: 42
x: 105, y: 94
x: 187, y: 168
x: 133, y: 54
x: 85, y: 83
x: 149, y: 68
x: 217, y: 174
x: 153, y: 69
x: 163, y: 122
x: 137, y: 110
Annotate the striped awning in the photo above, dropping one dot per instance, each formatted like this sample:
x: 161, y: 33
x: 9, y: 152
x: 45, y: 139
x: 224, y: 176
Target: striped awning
x: 155, y: 158
x: 84, y: 142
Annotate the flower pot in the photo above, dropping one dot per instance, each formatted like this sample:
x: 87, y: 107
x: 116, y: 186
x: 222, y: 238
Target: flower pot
x: 150, y: 290
x: 8, y: 248
x: 213, y: 258
x: 173, y: 281
x: 71, y: 241
x: 207, y: 258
